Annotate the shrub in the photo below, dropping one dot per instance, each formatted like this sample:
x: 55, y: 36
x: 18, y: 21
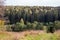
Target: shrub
x: 39, y: 26
x: 57, y: 25
x: 19, y: 26
x: 29, y: 26
x: 8, y: 27
x: 51, y: 27
x: 34, y: 25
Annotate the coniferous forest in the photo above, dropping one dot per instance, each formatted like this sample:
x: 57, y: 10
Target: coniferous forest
x: 19, y: 18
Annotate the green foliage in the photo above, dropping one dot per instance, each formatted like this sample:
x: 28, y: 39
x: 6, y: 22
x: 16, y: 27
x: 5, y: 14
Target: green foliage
x: 57, y: 24
x: 33, y: 17
x: 34, y: 25
x: 29, y: 26
x: 51, y: 27
x: 8, y: 27
x: 45, y: 28
x: 19, y: 26
x: 31, y: 14
x: 40, y: 26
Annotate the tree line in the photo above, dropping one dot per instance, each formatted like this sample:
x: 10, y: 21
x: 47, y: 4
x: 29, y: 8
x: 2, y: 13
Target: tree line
x: 35, y: 17
x: 31, y: 14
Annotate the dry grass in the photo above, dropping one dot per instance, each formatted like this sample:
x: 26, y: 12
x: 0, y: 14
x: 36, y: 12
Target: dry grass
x: 30, y: 35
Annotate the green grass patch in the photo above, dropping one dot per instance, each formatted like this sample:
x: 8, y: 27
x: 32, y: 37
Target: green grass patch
x: 44, y: 36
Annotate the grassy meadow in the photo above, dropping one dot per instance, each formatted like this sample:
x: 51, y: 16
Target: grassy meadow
x: 29, y: 35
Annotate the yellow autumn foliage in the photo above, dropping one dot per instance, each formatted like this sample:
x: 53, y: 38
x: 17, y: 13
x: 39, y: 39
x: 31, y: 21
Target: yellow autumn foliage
x: 2, y: 22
